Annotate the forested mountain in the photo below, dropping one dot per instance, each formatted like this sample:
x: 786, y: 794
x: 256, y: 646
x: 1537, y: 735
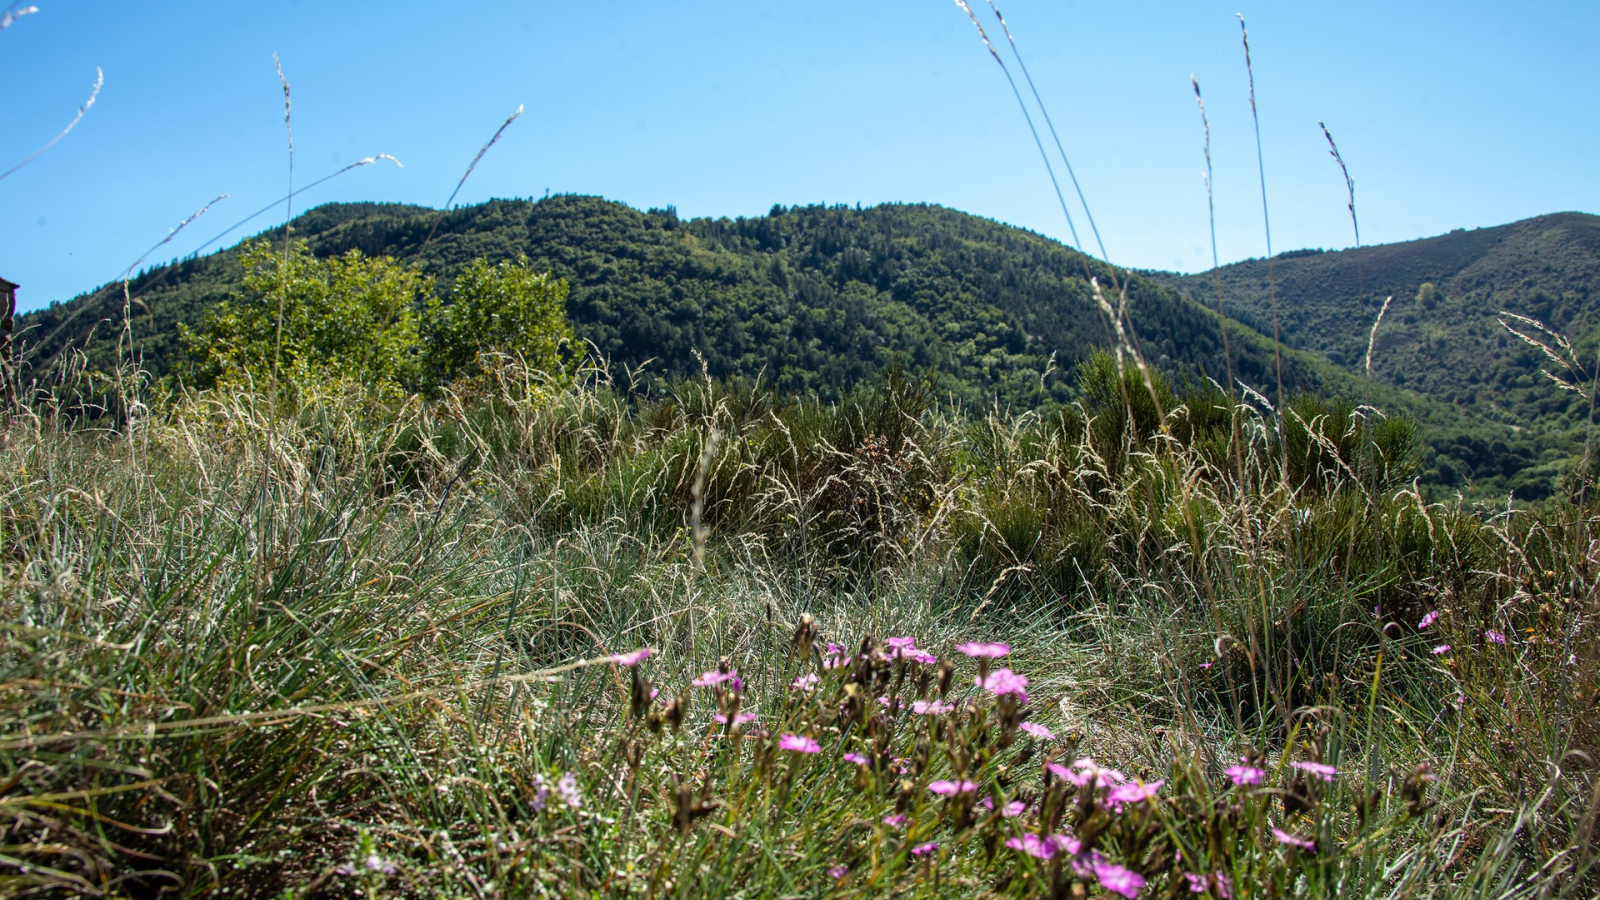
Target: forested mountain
x: 815, y: 299
x: 1441, y: 337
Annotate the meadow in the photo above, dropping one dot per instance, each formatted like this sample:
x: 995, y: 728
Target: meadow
x: 556, y: 637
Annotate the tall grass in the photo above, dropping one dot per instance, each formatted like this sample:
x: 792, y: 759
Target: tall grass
x: 366, y: 644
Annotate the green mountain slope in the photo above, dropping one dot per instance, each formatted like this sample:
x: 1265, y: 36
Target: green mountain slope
x: 1443, y: 342
x: 812, y: 298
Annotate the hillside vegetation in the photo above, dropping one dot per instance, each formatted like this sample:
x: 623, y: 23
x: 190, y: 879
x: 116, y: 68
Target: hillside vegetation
x: 546, y: 639
x: 815, y: 300
x: 1441, y: 336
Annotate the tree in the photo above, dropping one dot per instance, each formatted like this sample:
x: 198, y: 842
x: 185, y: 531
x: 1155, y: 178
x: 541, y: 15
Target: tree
x: 300, y: 319
x: 505, y: 310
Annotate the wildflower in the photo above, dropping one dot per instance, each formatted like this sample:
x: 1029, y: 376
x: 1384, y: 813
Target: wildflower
x: 1058, y: 770
x: 900, y: 643
x: 925, y: 849
x: 714, y: 678
x: 946, y: 788
x: 835, y: 657
x: 931, y: 707
x: 1494, y: 637
x: 1118, y: 880
x: 1292, y: 840
x: 1043, y: 847
x: 1321, y: 770
x: 894, y: 821
x: 838, y: 872
x: 1004, y: 681
x: 799, y: 743
x: 541, y: 792
x: 856, y: 758
x: 634, y: 658
x: 1012, y: 810
x: 1207, y: 665
x: 738, y: 718
x: 1441, y: 650
x: 1244, y: 775
x: 567, y: 787
x: 376, y: 863
x: 1199, y: 884
x: 919, y: 655
x: 1133, y: 792
x: 1038, y: 731
x: 806, y: 682
x: 1089, y: 772
x: 1427, y: 620
x: 981, y: 650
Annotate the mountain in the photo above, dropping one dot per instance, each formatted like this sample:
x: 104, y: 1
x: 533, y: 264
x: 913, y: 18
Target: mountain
x: 813, y: 299
x: 1441, y: 336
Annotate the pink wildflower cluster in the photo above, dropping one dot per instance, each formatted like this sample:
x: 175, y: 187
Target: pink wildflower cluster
x: 1001, y: 682
x: 1093, y: 864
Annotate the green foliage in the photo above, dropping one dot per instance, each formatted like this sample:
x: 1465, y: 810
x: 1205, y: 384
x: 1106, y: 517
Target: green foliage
x: 309, y: 320
x: 505, y: 309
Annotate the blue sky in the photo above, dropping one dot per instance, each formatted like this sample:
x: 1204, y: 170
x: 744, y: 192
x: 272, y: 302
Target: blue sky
x: 1458, y: 114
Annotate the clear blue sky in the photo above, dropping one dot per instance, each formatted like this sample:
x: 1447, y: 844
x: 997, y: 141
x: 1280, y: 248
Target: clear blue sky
x: 1451, y: 114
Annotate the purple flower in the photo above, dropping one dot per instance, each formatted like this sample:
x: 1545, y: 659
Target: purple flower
x: 567, y: 787
x: 1058, y: 770
x: 1207, y: 665
x: 1043, y: 847
x: 1441, y: 650
x: 1427, y: 620
x: 838, y: 872
x: 987, y: 651
x: 1321, y: 770
x: 856, y: 758
x: 918, y: 655
x: 1292, y: 840
x: 1118, y: 880
x: 1133, y: 792
x: 894, y: 821
x: 1199, y: 884
x: 931, y: 707
x: 714, y: 678
x: 541, y: 792
x: 1494, y: 637
x: 806, y: 682
x: 1038, y: 731
x: 1089, y: 772
x: 946, y: 788
x: 1005, y: 681
x: 1244, y: 775
x: 900, y: 643
x: 1012, y: 810
x: 835, y: 657
x: 799, y: 743
x: 634, y: 658
x: 738, y: 718
x: 925, y: 849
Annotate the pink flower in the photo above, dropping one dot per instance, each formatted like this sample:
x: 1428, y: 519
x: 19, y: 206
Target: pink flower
x: 931, y: 707
x: 799, y: 743
x: 1441, y: 650
x: 1321, y: 770
x: 1292, y: 840
x: 925, y: 849
x: 1043, y: 847
x: 1199, y: 884
x: 835, y: 657
x: 1089, y: 772
x: 634, y: 658
x: 918, y: 655
x: 1058, y: 770
x: 1118, y: 880
x: 1013, y: 809
x: 806, y: 682
x: 900, y: 643
x: 946, y: 788
x: 987, y: 651
x: 567, y: 787
x: 1038, y: 731
x: 1133, y: 792
x: 1242, y: 776
x: 714, y: 678
x: 1494, y: 637
x: 738, y: 718
x: 1207, y: 665
x: 856, y: 758
x: 894, y: 821
x: 1427, y: 620
x: 1005, y: 681
x: 838, y: 872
